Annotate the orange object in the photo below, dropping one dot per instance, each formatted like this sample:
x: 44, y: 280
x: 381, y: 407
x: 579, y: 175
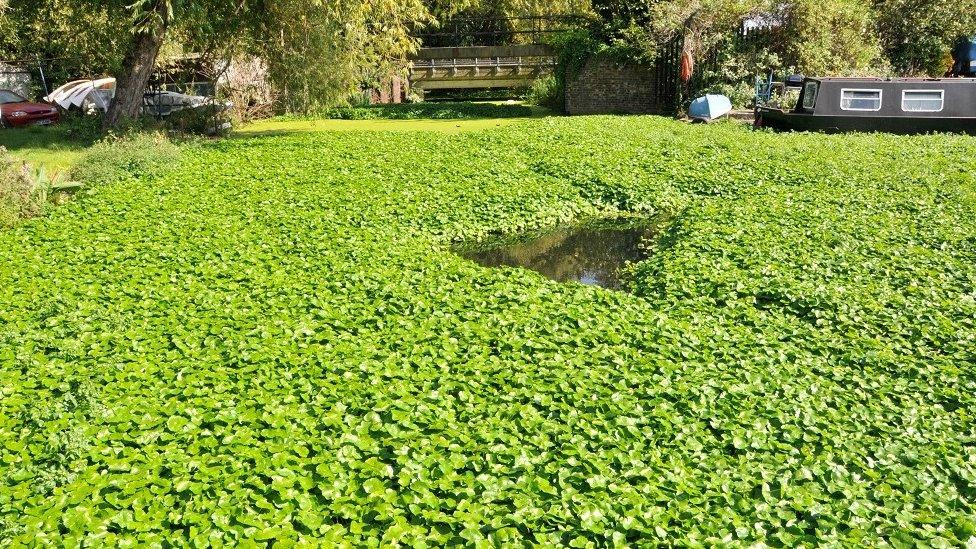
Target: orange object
x: 687, y: 66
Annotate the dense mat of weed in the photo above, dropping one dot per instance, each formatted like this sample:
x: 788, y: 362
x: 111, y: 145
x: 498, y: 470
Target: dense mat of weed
x: 274, y: 342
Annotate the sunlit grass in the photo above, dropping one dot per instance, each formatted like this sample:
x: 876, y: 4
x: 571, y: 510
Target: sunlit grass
x: 50, y: 147
x: 447, y: 117
x: 278, y: 126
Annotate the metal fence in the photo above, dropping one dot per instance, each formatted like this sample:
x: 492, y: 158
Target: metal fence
x: 672, y: 93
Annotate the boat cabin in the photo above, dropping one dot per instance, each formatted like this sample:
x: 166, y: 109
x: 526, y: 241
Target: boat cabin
x: 896, y: 105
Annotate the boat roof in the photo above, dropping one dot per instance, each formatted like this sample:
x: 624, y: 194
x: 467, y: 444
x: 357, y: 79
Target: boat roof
x: 897, y: 80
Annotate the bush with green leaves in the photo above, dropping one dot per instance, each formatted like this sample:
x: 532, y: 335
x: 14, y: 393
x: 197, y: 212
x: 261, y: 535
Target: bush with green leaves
x: 546, y: 92
x: 206, y: 120
x: 274, y: 343
x: 81, y: 127
x: 125, y: 157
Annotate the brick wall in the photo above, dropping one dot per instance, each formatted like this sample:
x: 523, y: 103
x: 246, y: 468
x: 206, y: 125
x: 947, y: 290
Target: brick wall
x: 608, y: 86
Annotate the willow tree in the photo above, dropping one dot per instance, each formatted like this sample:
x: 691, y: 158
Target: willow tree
x: 317, y: 50
x: 83, y: 38
x: 121, y: 37
x: 150, y: 21
x: 831, y: 37
x: 326, y: 50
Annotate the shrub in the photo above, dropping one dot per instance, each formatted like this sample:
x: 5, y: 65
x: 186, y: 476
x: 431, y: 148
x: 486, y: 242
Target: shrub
x: 245, y: 85
x: 468, y: 95
x: 118, y: 158
x: 545, y: 92
x: 209, y: 120
x: 23, y: 191
x: 80, y: 126
x: 742, y: 95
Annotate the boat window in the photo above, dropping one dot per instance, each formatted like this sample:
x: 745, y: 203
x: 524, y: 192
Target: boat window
x: 810, y: 94
x: 922, y: 100
x: 860, y: 100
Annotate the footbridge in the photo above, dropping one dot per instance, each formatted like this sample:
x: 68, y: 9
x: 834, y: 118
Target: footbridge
x: 480, y: 66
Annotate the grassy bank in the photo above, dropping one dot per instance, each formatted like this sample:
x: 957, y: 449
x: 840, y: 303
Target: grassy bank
x: 55, y: 148
x: 35, y: 179
x: 437, y: 117
x: 275, y: 342
x: 275, y: 126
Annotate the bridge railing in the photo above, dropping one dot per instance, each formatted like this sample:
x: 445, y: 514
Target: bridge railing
x: 482, y: 62
x: 477, y: 72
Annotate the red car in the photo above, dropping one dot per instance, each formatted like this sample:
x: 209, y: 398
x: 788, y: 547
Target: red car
x: 17, y: 111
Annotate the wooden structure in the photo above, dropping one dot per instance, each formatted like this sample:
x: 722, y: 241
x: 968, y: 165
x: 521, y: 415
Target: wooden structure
x: 479, y: 67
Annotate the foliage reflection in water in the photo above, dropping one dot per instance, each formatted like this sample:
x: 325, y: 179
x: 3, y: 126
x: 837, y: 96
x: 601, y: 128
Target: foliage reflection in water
x: 592, y: 254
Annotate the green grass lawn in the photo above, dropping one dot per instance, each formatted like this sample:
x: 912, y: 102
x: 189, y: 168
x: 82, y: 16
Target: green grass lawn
x: 437, y: 117
x: 273, y: 341
x: 278, y: 127
x: 56, y: 149
x: 49, y: 146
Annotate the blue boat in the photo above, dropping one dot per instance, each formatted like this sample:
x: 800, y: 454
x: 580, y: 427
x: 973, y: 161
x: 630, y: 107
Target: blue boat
x: 709, y: 107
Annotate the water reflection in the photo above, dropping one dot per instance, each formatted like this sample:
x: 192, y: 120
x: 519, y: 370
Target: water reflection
x: 590, y: 254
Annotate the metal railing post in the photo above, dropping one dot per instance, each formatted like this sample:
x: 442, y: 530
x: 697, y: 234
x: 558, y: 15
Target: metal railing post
x: 40, y: 68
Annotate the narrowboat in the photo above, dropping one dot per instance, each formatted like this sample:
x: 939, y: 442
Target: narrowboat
x: 894, y: 105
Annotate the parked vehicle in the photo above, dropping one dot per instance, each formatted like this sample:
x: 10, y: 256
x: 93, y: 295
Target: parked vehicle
x: 17, y: 111
x: 893, y: 105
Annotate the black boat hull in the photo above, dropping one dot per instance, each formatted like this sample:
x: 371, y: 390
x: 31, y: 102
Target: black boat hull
x: 793, y: 121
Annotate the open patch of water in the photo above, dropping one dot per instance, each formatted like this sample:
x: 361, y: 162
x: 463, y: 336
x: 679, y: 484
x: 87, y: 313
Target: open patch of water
x: 593, y: 253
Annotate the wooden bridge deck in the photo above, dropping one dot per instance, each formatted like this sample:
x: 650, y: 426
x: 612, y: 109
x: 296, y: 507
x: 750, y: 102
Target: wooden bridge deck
x: 480, y: 67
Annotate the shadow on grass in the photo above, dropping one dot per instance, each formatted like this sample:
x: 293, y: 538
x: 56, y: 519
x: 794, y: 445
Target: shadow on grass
x: 54, y: 147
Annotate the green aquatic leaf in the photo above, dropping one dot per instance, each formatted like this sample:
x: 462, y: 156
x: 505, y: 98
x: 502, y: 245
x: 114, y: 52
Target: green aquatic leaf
x: 273, y: 342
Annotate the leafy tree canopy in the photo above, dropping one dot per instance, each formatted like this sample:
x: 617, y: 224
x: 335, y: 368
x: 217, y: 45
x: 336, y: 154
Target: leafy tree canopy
x: 318, y: 52
x: 813, y: 36
x: 917, y: 35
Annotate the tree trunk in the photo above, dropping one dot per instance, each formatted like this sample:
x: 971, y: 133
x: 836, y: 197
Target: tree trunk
x: 136, y: 70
